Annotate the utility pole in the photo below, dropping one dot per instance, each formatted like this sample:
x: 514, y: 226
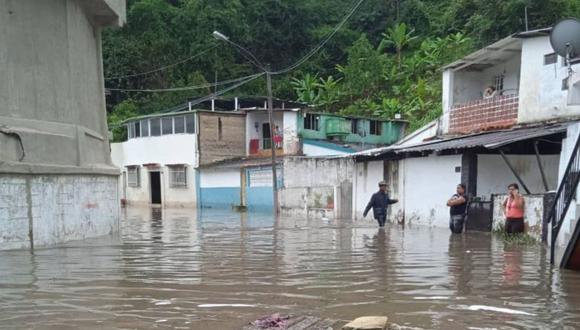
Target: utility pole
x: 266, y: 69
x: 272, y: 144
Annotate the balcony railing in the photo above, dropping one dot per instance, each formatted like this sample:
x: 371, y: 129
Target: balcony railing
x: 485, y: 114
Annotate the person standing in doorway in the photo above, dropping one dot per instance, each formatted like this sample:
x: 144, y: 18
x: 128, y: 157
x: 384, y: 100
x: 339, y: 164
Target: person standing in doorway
x: 513, y: 208
x: 278, y: 137
x: 379, y: 203
x: 457, y: 209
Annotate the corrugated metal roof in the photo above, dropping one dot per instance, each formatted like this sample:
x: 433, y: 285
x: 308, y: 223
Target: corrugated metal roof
x: 488, y: 140
x: 492, y: 140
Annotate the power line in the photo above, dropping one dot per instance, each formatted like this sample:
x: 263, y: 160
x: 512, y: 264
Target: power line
x: 187, y: 88
x: 225, y: 90
x: 320, y: 45
x: 163, y: 67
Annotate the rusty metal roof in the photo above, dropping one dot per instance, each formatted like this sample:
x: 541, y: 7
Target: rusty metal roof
x: 488, y: 140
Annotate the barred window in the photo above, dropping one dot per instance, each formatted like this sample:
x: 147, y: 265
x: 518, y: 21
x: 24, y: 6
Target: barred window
x: 178, y: 176
x: 311, y: 122
x: 133, y: 176
x: 376, y: 127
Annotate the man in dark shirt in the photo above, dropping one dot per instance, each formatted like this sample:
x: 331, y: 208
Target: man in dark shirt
x: 457, y: 209
x: 379, y: 203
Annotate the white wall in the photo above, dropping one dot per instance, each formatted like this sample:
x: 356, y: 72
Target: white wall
x: 291, y: 140
x: 493, y: 175
x: 220, y: 178
x: 541, y: 94
x: 260, y: 117
x: 314, y: 151
x: 366, y: 178
x: 419, y: 136
x: 162, y: 150
x: 428, y: 182
x: 165, y: 149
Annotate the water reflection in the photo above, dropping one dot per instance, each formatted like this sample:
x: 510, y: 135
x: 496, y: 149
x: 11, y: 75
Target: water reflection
x: 183, y: 269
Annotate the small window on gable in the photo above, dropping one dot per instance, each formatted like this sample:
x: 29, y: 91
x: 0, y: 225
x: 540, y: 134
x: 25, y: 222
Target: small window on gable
x: 133, y: 179
x: 550, y: 58
x: 376, y: 127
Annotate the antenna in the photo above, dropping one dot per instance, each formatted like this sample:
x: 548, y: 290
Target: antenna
x: 565, y: 37
x: 565, y: 40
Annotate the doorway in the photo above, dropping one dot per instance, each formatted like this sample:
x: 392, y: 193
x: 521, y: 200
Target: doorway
x: 155, y: 179
x: 266, y: 136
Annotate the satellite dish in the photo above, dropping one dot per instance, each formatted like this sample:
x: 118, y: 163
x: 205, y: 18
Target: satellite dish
x: 565, y: 38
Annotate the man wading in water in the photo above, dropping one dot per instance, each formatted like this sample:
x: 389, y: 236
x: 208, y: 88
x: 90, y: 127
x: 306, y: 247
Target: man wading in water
x: 379, y: 203
x: 457, y: 209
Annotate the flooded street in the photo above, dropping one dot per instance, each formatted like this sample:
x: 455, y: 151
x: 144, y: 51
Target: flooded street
x: 176, y: 269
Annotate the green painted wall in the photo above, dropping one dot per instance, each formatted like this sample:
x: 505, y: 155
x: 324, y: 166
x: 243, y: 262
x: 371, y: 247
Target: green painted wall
x: 391, y: 131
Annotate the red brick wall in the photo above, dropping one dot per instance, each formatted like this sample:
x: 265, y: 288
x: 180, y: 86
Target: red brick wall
x: 480, y: 115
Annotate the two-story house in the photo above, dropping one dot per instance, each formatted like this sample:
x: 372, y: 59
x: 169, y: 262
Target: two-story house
x: 509, y: 115
x: 220, y: 157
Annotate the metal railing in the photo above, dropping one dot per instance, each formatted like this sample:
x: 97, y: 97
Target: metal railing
x: 566, y: 193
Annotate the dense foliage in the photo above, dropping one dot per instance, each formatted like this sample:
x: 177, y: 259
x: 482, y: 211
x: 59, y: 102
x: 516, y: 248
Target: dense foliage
x: 385, y: 61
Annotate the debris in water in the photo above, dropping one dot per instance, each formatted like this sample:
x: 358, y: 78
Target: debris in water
x: 223, y: 305
x: 274, y: 321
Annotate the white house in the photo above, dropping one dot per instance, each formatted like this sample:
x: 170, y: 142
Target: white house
x: 509, y: 115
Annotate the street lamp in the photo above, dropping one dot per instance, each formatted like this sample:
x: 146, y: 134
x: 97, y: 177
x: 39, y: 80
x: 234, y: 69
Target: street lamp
x: 247, y: 54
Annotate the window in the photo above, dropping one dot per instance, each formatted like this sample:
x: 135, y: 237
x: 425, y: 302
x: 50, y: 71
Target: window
x: 166, y: 125
x: 155, y: 124
x: 498, y: 83
x: 219, y: 129
x: 137, y: 129
x: 550, y: 58
x: 354, y: 126
x: 130, y: 130
x: 179, y: 124
x: 133, y: 176
x: 144, y: 127
x: 375, y: 127
x: 178, y: 176
x: 311, y: 122
x: 190, y: 124
x: 565, y: 84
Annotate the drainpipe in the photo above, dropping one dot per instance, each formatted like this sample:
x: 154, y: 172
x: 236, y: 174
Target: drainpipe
x: 236, y: 105
x: 212, y: 104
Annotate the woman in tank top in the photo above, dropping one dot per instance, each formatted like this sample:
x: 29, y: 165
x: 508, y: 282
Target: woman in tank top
x: 513, y: 208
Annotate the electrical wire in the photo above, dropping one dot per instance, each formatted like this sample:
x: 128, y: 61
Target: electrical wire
x: 163, y: 67
x: 187, y: 88
x: 321, y: 44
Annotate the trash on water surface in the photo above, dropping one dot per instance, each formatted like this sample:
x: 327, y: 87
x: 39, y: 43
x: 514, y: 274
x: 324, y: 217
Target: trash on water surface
x: 274, y: 321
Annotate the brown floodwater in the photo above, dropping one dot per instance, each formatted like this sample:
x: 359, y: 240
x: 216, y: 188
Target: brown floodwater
x: 181, y: 269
